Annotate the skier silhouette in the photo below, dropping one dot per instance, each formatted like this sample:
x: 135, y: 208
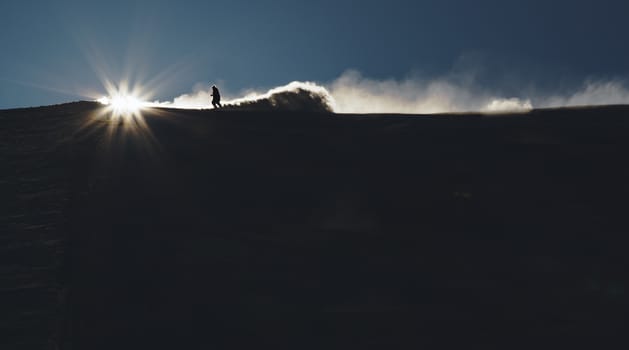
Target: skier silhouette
x: 216, y: 97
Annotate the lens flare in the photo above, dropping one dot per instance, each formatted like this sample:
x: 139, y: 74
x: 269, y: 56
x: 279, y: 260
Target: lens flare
x: 121, y: 105
x: 125, y: 111
x: 123, y: 102
x: 122, y: 117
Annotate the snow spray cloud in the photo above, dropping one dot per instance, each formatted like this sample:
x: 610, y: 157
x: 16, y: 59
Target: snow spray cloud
x: 592, y: 93
x: 296, y: 96
x: 353, y: 93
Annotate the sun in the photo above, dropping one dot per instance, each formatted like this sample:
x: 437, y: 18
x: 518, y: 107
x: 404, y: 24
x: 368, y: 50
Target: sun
x: 123, y: 105
x: 125, y: 101
x: 122, y: 115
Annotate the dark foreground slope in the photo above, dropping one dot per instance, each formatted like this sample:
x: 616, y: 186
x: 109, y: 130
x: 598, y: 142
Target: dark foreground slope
x: 208, y: 229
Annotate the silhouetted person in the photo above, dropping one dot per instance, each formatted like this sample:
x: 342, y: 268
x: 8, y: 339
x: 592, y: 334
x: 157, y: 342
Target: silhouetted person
x: 216, y: 97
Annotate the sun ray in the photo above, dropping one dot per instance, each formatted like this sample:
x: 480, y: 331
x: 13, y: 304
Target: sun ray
x: 122, y: 118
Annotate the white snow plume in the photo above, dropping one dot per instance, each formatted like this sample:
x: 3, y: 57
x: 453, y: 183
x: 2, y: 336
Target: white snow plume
x: 353, y: 93
x: 199, y: 99
x: 591, y: 94
x: 509, y: 105
x: 296, y: 96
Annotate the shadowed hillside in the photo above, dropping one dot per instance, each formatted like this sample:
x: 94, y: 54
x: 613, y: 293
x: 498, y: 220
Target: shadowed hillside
x: 202, y: 229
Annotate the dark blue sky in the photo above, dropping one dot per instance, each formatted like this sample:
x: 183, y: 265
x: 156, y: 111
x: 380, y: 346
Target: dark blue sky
x: 51, y: 50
